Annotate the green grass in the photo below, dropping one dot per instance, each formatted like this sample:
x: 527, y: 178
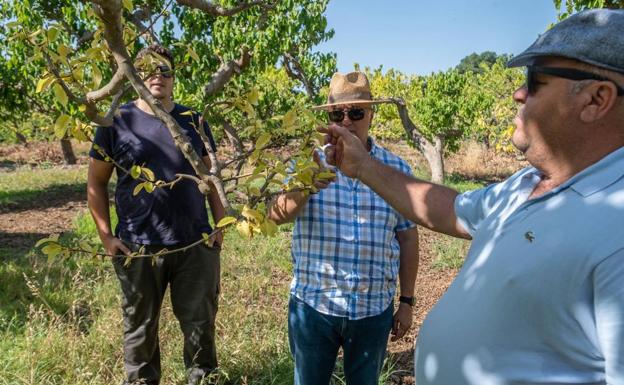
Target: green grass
x: 26, y: 184
x: 449, y: 252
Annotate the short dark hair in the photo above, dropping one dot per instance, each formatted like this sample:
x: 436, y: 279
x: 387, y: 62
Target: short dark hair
x: 158, y: 49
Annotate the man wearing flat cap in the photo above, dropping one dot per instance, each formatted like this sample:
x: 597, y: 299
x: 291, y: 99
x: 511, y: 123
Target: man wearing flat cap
x: 540, y: 298
x: 349, y: 247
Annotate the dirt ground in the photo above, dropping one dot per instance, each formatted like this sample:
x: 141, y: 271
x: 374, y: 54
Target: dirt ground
x: 22, y: 224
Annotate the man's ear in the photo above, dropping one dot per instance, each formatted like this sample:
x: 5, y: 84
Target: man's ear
x: 599, y: 100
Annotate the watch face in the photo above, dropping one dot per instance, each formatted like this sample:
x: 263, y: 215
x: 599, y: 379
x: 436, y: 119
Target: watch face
x: 408, y: 300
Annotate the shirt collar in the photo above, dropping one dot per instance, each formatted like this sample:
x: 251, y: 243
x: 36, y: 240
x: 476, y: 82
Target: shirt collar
x: 374, y: 148
x: 599, y: 175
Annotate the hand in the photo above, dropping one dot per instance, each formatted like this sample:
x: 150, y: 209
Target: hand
x: 345, y: 150
x: 402, y: 321
x: 217, y: 238
x: 113, y: 245
x: 323, y: 183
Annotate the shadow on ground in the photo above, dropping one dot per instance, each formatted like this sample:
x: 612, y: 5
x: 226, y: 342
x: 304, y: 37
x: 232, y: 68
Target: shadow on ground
x: 54, y: 196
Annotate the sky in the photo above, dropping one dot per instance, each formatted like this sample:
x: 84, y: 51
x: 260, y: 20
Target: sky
x: 420, y: 37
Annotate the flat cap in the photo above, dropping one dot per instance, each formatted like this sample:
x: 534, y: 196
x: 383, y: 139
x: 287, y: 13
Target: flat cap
x: 594, y: 36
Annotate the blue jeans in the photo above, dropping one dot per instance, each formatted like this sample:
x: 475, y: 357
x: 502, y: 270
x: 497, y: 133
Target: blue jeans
x: 315, y: 339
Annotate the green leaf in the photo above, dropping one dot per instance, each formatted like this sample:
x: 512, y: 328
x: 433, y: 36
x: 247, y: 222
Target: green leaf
x: 135, y: 171
x: 263, y: 140
x: 52, y: 250
x: 52, y: 34
x: 60, y: 94
x: 226, y: 221
x: 149, y: 187
x: 128, y: 5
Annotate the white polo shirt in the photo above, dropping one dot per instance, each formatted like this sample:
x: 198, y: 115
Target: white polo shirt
x: 540, y: 298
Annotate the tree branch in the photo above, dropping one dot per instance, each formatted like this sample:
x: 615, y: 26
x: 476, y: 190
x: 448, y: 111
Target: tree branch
x: 226, y: 71
x: 295, y: 71
x: 113, y: 86
x: 216, y: 10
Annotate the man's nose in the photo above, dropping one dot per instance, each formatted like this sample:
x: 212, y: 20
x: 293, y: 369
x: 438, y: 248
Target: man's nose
x: 520, y: 94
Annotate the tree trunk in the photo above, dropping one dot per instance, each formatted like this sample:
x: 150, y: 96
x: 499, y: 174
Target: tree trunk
x: 434, y: 153
x: 68, y: 151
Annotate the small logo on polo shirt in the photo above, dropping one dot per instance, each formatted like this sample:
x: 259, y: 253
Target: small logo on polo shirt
x: 529, y: 236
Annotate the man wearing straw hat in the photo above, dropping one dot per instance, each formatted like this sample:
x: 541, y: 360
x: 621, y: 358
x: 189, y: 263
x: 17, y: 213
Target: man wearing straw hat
x: 540, y: 298
x: 349, y: 247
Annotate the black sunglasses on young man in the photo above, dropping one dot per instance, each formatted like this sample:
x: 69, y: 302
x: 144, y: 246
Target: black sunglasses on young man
x: 162, y: 70
x: 354, y: 114
x: 565, y: 73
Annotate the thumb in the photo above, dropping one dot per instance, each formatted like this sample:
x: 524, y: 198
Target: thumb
x: 124, y: 249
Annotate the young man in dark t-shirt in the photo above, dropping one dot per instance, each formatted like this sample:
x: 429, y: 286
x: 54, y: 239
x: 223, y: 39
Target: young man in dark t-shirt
x: 166, y: 218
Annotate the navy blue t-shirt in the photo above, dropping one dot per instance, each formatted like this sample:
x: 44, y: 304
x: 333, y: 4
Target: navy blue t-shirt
x: 167, y: 216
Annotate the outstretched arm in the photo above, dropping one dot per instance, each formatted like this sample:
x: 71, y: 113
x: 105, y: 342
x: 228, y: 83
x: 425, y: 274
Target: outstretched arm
x: 428, y: 204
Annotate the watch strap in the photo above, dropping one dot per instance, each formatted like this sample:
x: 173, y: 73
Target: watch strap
x: 408, y: 300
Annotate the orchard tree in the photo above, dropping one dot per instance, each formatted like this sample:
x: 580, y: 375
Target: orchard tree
x: 81, y: 52
x: 568, y: 7
x: 478, y: 63
x: 491, y: 92
x: 435, y: 111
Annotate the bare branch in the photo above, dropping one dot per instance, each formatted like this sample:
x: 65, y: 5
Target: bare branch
x: 109, y: 89
x: 408, y: 125
x: 226, y: 71
x: 216, y: 10
x: 233, y: 137
x: 295, y: 71
x: 137, y: 17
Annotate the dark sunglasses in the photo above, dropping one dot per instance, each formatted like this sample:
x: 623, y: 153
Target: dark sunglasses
x: 354, y: 114
x: 162, y: 70
x: 565, y: 73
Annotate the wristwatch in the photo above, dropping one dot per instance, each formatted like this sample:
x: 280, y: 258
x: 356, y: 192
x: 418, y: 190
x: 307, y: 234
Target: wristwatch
x: 408, y: 300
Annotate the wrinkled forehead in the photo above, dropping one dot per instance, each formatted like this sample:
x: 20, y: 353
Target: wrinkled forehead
x: 348, y: 106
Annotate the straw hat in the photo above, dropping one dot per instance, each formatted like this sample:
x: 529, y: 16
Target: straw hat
x: 351, y: 88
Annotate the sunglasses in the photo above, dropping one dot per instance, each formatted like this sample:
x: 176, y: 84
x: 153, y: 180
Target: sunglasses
x: 162, y: 70
x: 566, y: 73
x: 354, y: 114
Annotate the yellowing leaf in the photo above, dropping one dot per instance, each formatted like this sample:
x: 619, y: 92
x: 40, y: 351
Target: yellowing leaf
x: 255, y: 191
x: 250, y: 213
x: 187, y: 113
x: 253, y: 96
x: 289, y: 119
x: 97, y: 76
x: 149, y: 174
x: 244, y: 229
x: 226, y: 221
x: 263, y: 140
x: 193, y: 54
x: 149, y: 187
x: 63, y: 52
x: 269, y: 227
x: 128, y: 5
x: 44, y: 83
x: 60, y: 126
x: 138, y: 188
x: 60, y: 94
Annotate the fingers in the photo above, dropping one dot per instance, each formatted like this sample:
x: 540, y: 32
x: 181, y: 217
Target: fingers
x: 124, y: 249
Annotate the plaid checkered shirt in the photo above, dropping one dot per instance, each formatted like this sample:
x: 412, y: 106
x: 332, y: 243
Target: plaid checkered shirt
x: 344, y: 247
